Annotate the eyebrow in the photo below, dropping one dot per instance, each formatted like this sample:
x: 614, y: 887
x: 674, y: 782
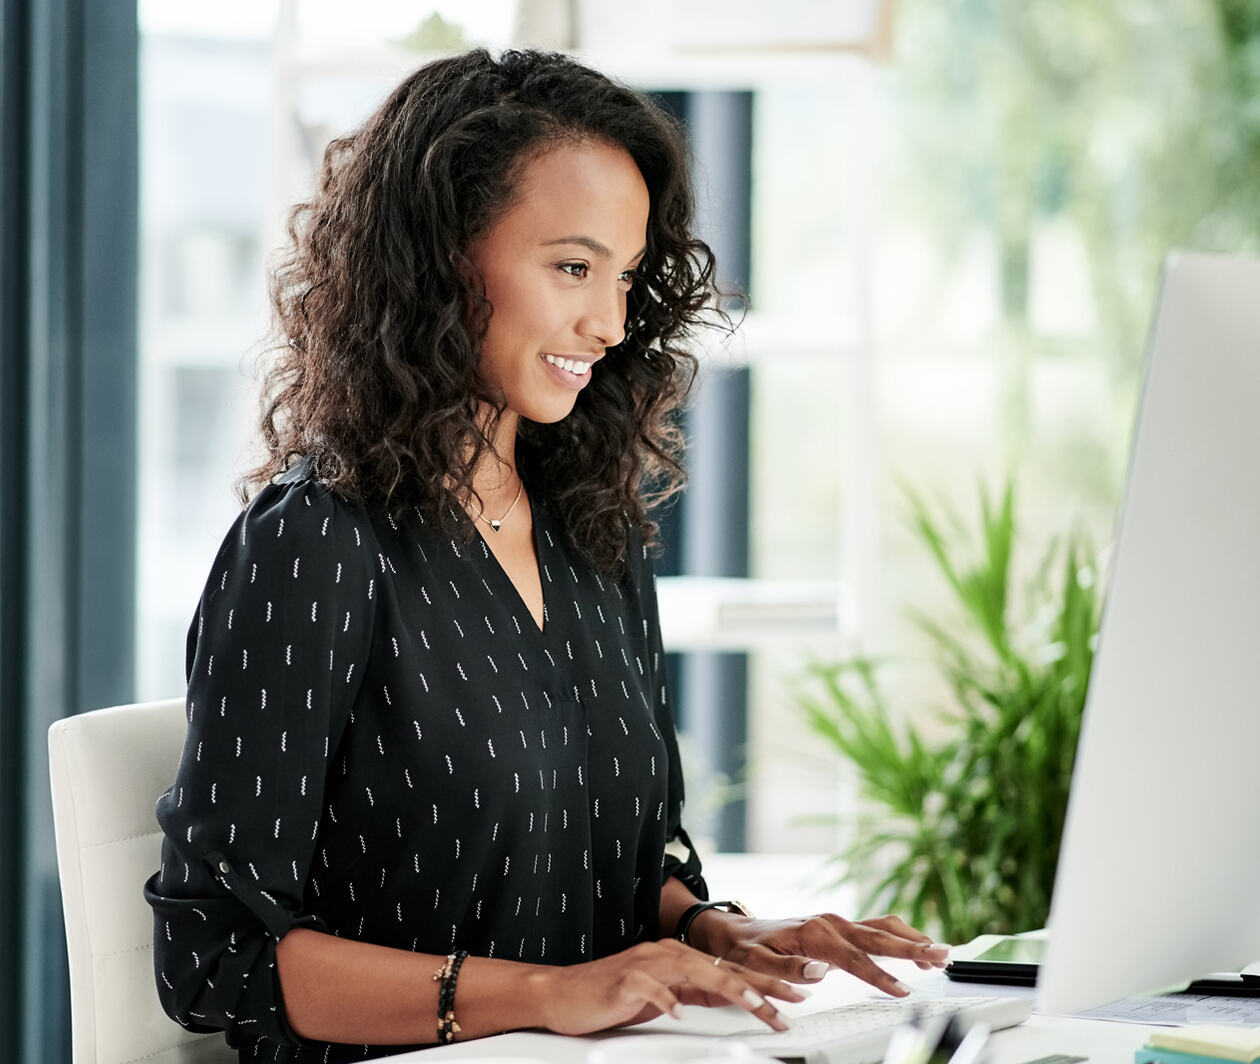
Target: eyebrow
x: 602, y: 250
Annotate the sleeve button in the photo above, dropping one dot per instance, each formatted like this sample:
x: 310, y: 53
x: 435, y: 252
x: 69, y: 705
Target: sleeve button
x: 224, y: 867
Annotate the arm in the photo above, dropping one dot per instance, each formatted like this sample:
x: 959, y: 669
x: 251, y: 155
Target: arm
x: 676, y: 899
x: 799, y: 950
x: 339, y: 990
x: 802, y: 950
x: 389, y: 996
x: 275, y: 655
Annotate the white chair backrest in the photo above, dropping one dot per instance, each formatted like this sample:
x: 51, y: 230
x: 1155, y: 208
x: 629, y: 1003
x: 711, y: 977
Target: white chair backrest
x: 107, y: 769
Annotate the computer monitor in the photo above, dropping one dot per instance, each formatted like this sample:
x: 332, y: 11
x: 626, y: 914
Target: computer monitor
x: 1159, y: 872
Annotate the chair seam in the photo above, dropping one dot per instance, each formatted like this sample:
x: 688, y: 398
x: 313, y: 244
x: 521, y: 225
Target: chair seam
x: 122, y: 838
x: 120, y: 952
x: 197, y: 1037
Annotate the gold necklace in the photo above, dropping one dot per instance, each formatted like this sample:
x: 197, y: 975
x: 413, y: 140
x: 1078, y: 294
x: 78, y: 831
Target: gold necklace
x: 496, y: 525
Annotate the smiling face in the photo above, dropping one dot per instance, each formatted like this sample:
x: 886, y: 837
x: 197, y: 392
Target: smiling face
x: 557, y: 267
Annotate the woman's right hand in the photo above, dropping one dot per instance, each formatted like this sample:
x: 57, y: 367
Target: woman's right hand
x: 649, y: 979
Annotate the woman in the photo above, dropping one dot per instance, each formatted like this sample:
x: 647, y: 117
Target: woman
x: 430, y: 771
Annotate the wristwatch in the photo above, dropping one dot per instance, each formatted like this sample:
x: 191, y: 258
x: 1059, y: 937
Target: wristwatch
x: 689, y: 915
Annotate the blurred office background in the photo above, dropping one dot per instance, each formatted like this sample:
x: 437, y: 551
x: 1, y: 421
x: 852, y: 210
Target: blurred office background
x: 947, y: 217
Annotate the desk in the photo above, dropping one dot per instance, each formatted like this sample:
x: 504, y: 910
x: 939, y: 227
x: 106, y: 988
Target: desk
x: 779, y: 885
x: 1100, y: 1041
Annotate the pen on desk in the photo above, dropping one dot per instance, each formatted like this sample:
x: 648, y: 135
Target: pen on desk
x: 918, y: 1041
x: 943, y: 1035
x: 906, y: 1046
x: 972, y: 1045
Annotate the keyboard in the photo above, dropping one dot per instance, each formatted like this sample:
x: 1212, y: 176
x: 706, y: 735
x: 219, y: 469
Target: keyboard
x: 860, y: 1033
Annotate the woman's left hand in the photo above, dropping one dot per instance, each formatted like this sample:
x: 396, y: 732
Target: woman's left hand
x: 803, y: 950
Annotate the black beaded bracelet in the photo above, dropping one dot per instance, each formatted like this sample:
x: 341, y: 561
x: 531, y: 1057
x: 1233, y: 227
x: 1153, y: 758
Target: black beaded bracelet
x: 447, y: 1028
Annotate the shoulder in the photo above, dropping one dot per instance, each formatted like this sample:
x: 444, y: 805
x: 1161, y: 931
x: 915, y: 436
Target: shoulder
x: 299, y: 510
x: 299, y: 507
x: 293, y: 528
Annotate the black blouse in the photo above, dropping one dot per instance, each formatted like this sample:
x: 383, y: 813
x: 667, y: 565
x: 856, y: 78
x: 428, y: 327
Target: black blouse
x: 382, y: 744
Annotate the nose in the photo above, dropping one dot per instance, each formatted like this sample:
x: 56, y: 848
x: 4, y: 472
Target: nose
x: 604, y: 318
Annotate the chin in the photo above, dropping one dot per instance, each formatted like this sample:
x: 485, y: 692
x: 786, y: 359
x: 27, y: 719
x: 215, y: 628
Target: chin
x: 548, y: 413
x: 551, y: 418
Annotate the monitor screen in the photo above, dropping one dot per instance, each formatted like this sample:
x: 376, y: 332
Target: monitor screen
x: 1159, y: 873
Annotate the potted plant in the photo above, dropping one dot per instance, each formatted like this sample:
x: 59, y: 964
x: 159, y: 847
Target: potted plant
x: 960, y: 820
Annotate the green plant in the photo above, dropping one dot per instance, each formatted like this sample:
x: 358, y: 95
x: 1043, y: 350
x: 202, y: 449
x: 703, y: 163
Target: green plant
x: 961, y: 819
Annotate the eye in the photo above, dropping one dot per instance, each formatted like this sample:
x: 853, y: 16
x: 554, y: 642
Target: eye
x: 574, y: 269
x: 628, y: 277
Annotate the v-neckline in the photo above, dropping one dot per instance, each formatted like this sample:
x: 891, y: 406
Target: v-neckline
x: 535, y: 513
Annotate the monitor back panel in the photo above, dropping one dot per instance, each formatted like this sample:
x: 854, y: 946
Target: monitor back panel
x: 1159, y: 873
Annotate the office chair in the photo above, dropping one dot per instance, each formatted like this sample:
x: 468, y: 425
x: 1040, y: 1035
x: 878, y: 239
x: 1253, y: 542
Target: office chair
x: 107, y: 770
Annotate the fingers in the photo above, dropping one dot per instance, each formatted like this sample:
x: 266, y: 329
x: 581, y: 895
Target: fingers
x: 654, y: 978
x: 662, y: 976
x: 645, y: 990
x: 724, y: 981
x: 750, y: 991
x: 890, y: 936
x: 883, y: 936
x: 883, y: 944
x: 848, y: 945
x: 856, y: 961
x: 791, y: 967
x: 804, y: 950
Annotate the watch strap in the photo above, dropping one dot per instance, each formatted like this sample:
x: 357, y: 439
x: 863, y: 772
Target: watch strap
x: 689, y: 915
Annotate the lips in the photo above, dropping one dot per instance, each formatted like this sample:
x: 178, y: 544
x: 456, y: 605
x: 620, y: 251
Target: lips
x: 577, y: 366
x: 572, y: 373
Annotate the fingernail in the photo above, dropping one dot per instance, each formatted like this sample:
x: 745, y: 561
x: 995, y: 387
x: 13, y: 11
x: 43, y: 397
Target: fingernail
x: 801, y: 991
x: 754, y: 999
x: 815, y: 970
x: 676, y: 1010
x: 901, y: 987
x: 937, y: 945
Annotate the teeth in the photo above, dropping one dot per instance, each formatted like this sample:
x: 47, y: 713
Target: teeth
x: 572, y: 365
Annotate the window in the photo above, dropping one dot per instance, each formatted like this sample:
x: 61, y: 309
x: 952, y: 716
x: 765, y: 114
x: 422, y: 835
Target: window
x: 943, y: 290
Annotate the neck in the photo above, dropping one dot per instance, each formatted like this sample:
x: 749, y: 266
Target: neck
x: 495, y: 482
x: 495, y: 473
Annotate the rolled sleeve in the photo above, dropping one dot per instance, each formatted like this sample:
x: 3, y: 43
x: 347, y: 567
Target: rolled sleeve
x: 276, y: 655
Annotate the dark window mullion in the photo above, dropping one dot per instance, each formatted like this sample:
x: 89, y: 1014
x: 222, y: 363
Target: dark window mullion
x: 707, y: 534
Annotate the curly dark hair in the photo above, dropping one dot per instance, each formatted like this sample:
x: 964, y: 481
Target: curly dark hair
x: 380, y: 313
